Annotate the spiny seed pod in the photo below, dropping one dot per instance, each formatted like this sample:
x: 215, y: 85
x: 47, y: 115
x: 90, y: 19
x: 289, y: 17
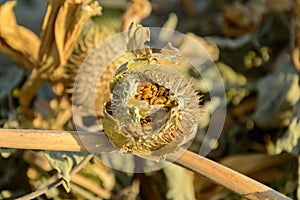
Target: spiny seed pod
x: 153, y: 110
x: 93, y: 34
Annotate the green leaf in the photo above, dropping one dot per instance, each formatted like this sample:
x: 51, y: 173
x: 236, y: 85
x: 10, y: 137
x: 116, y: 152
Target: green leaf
x: 64, y: 162
x: 180, y: 183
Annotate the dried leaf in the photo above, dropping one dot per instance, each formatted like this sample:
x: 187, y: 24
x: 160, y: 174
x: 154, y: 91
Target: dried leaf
x: 206, y: 43
x: 278, y: 93
x: 137, y: 36
x: 136, y: 12
x: 290, y: 141
x: 180, y: 183
x: 171, y: 23
x: 64, y: 162
x: 240, y: 19
x: 64, y: 20
x: 57, y: 43
x: 17, y: 42
x: 234, y: 83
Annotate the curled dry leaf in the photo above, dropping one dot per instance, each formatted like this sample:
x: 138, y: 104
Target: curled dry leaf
x: 240, y: 19
x: 136, y: 12
x: 17, y: 42
x: 245, y: 18
x: 278, y: 93
x: 290, y: 141
x: 64, y: 20
x: 61, y: 28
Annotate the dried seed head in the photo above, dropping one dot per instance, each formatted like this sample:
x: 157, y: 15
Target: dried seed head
x: 153, y: 108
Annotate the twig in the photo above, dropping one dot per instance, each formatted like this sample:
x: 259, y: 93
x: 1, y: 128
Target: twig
x: 85, y: 194
x: 72, y: 141
x: 56, y: 183
x: 55, y: 140
x: 89, y: 185
x: 41, y: 191
x: 234, y: 181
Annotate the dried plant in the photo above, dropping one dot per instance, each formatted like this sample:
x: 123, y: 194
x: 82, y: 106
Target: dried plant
x: 47, y: 55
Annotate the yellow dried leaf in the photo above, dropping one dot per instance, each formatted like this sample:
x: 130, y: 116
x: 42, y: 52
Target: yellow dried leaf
x: 241, y: 18
x: 136, y: 12
x: 17, y: 42
x: 62, y: 26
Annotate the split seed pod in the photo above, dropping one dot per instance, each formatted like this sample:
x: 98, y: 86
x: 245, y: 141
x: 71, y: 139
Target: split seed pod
x: 153, y: 111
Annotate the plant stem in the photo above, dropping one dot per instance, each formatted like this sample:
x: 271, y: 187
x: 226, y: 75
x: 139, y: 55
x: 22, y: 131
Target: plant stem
x: 97, y: 142
x: 233, y: 180
x: 55, y: 140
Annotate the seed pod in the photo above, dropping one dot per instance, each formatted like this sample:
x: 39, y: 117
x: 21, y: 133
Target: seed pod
x: 153, y: 110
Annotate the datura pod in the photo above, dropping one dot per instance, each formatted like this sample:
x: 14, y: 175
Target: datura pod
x: 154, y: 109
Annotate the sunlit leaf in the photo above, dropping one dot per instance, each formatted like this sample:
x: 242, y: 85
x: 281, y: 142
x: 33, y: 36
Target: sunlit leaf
x: 64, y: 162
x: 180, y: 183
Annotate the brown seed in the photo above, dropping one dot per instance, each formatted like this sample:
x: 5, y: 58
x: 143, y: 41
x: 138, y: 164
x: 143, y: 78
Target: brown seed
x: 140, y: 92
x: 138, y: 97
x: 147, y: 96
x: 162, y: 88
x: 174, y: 103
x: 147, y: 85
x: 152, y: 100
x: 169, y: 102
x: 163, y: 93
x: 140, y: 89
x: 148, y: 119
x: 154, y: 88
x: 166, y: 108
x: 158, y: 101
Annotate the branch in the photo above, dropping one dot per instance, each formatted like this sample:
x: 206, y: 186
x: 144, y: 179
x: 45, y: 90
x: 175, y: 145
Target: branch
x: 97, y: 142
x: 57, y: 182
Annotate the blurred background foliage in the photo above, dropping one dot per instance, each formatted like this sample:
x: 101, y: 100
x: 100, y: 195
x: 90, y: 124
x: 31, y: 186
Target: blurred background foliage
x: 253, y: 42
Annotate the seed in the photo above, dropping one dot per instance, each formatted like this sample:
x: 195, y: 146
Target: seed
x: 147, y: 96
x: 138, y: 97
x: 140, y: 89
x: 158, y: 101
x: 154, y: 87
x: 148, y: 118
x: 147, y: 85
x: 162, y: 93
x: 152, y: 100
x: 174, y: 103
x: 166, y: 108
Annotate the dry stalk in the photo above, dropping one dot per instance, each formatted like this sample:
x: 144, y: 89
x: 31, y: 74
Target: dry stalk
x: 70, y: 141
